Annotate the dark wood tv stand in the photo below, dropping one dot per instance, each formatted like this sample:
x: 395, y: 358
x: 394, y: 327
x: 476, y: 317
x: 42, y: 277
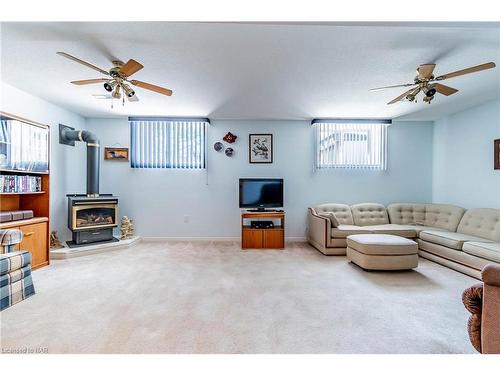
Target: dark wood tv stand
x: 270, y: 238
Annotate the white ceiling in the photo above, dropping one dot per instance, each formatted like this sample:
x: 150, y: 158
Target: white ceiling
x: 252, y: 70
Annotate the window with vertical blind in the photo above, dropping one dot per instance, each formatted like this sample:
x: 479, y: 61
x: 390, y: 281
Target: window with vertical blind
x: 23, y: 146
x: 355, y: 144
x: 168, y: 142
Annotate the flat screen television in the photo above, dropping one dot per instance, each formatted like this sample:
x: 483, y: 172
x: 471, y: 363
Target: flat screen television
x: 261, y: 193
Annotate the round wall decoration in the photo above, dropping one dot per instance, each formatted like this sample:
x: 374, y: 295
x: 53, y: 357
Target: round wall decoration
x: 229, y: 137
x: 218, y: 146
x: 229, y: 151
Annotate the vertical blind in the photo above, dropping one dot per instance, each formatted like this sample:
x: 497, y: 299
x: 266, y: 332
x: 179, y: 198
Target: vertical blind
x: 23, y: 146
x: 351, y: 144
x: 168, y: 143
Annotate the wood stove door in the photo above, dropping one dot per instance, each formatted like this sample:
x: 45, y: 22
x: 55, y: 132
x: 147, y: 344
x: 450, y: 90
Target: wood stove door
x: 94, y: 216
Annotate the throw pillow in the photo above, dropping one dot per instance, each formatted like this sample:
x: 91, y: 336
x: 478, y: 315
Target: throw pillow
x: 331, y: 216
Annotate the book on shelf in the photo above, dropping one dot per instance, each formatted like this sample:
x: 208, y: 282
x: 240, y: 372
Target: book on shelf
x: 20, y: 184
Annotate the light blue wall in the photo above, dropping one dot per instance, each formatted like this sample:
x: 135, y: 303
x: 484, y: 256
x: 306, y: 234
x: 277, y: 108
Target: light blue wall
x: 158, y: 199
x: 463, y: 171
x: 67, y: 164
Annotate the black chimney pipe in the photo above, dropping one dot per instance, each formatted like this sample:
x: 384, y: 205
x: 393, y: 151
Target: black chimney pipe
x: 93, y: 164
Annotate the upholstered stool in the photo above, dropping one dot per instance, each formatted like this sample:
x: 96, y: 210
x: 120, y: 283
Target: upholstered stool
x: 382, y: 252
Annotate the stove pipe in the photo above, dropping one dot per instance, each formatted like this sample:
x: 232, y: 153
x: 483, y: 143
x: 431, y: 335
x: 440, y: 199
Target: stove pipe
x: 92, y: 157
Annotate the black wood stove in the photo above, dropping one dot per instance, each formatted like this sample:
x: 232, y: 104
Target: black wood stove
x: 91, y: 216
x: 92, y: 219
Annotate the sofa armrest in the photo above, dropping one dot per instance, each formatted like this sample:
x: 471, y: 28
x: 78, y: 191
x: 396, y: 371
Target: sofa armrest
x: 319, y: 228
x: 491, y: 275
x: 14, y: 261
x: 490, y: 320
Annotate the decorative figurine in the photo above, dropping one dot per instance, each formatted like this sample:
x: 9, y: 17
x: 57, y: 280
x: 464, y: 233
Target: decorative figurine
x: 127, y: 228
x: 229, y: 138
x: 55, y: 243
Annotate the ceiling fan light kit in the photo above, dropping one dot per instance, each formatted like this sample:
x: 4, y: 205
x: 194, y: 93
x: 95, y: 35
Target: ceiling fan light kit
x: 116, y: 94
x: 110, y: 85
x: 117, y: 81
x: 128, y: 91
x: 425, y: 82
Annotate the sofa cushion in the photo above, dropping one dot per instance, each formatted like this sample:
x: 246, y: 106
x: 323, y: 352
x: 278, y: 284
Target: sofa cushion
x: 407, y: 213
x: 382, y: 244
x: 342, y: 212
x: 342, y: 231
x: 369, y: 214
x: 395, y: 229
x: 420, y: 228
x: 481, y: 222
x: 334, y: 223
x: 445, y: 216
x: 485, y: 250
x: 453, y: 240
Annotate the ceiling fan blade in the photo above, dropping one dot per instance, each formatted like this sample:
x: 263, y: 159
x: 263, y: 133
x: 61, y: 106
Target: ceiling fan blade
x: 89, y: 81
x: 472, y: 69
x: 149, y: 86
x: 68, y: 56
x: 133, y: 98
x: 403, y: 95
x: 390, y: 87
x: 130, y: 68
x: 425, y: 71
x: 445, y: 90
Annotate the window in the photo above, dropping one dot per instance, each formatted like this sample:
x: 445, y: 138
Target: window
x: 351, y: 143
x: 23, y: 146
x: 168, y: 143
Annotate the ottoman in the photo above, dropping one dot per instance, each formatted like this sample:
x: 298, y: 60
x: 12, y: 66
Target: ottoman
x: 383, y: 252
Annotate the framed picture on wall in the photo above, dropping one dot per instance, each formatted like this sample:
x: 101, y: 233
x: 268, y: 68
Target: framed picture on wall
x: 116, y: 153
x: 260, y: 148
x: 496, y: 150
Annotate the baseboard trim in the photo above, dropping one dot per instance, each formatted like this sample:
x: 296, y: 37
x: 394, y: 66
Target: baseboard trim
x: 296, y: 239
x: 189, y: 239
x: 207, y: 239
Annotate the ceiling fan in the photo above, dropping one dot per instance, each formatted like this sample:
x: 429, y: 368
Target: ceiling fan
x: 425, y: 82
x: 117, y: 81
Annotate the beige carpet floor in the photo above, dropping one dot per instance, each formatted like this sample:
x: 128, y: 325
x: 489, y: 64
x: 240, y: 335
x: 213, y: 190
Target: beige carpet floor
x: 212, y: 297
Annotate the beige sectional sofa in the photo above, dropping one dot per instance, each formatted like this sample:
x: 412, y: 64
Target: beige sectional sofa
x: 462, y: 240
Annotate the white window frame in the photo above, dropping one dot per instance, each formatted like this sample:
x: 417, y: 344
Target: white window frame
x: 336, y: 144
